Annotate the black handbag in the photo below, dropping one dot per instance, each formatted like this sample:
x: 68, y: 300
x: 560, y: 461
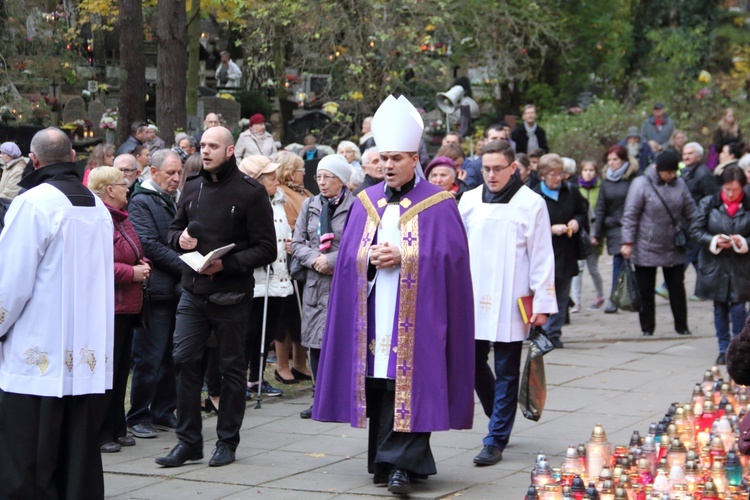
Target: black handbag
x: 533, y: 388
x: 583, y: 244
x: 625, y: 295
x: 680, y: 237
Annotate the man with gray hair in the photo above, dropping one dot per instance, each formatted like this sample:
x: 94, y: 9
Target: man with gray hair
x: 153, y: 397
x: 128, y: 165
x: 56, y: 329
x: 372, y: 168
x: 228, y: 74
x: 138, y: 136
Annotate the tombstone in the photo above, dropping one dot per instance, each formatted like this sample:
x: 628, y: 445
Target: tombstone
x: 230, y: 111
x: 74, y: 109
x: 96, y: 110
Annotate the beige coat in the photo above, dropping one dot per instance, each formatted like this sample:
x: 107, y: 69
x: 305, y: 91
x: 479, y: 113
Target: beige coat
x: 12, y: 173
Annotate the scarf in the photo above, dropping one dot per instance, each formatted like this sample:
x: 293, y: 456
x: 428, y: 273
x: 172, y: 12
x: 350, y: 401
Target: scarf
x: 326, y: 215
x: 531, y: 134
x: 587, y: 184
x: 550, y: 193
x: 295, y: 187
x: 732, y: 206
x: 506, y: 193
x: 616, y: 175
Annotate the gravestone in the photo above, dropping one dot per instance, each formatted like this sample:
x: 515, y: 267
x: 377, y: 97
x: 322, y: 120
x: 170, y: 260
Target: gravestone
x: 96, y: 110
x: 74, y: 109
x: 230, y: 111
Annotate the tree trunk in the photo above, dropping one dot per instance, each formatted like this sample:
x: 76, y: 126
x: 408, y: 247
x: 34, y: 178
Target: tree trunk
x: 193, y: 73
x: 132, y: 104
x: 171, y: 66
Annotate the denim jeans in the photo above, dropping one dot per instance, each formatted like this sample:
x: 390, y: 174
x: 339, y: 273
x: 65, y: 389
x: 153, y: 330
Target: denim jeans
x: 153, y: 395
x: 726, y: 313
x: 553, y: 326
x: 618, y: 261
x: 507, y: 379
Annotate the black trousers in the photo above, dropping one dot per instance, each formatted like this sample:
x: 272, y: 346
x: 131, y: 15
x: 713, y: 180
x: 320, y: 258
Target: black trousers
x: 111, y: 404
x: 387, y: 448
x: 49, y: 447
x: 196, y: 318
x: 675, y: 279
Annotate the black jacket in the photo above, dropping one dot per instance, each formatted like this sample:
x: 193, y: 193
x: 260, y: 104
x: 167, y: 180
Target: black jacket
x: 151, y: 214
x: 724, y: 277
x: 128, y: 146
x: 609, y: 209
x: 231, y: 207
x: 521, y: 139
x: 700, y: 181
x: 569, y: 205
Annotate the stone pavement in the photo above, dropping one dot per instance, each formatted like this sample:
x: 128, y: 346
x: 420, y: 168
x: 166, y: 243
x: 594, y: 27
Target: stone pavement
x: 605, y: 374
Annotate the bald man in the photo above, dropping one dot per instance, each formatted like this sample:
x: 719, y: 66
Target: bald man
x: 230, y: 208
x: 211, y: 120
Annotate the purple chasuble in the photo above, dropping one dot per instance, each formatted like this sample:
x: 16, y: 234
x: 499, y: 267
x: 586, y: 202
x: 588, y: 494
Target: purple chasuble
x: 433, y: 333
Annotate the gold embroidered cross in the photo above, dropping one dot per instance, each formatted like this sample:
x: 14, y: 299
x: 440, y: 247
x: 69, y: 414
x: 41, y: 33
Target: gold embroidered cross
x: 372, y: 346
x: 486, y: 303
x: 406, y: 203
x: 550, y: 289
x: 382, y: 202
x: 3, y: 312
x: 385, y: 344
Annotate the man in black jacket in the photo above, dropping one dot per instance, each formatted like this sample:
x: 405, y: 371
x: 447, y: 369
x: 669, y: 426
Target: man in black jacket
x: 229, y: 207
x: 529, y: 135
x: 139, y: 135
x: 153, y: 397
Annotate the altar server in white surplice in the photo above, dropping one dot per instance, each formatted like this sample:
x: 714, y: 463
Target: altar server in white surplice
x: 57, y: 299
x: 510, y: 245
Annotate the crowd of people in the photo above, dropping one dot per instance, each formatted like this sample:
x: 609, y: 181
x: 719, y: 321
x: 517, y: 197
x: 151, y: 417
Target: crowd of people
x: 338, y: 277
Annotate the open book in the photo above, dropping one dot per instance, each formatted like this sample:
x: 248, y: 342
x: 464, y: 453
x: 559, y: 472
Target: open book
x: 199, y: 263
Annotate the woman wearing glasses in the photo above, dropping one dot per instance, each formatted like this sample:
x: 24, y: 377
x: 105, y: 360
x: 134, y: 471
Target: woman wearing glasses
x: 315, y: 244
x: 131, y: 271
x: 568, y: 213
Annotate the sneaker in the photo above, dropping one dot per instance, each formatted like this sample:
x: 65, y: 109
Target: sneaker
x: 611, y: 308
x: 576, y: 308
x: 597, y: 305
x: 266, y: 389
x: 662, y: 292
x: 695, y: 298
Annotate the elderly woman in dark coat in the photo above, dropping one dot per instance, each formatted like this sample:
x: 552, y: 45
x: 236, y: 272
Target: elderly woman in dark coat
x: 721, y: 228
x: 620, y: 172
x: 648, y: 237
x: 315, y: 244
x: 568, y: 213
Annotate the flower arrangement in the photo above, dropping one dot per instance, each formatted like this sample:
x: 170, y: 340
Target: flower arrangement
x: 52, y: 102
x: 225, y: 95
x: 77, y: 128
x: 109, y: 119
x: 435, y: 128
x: 86, y: 95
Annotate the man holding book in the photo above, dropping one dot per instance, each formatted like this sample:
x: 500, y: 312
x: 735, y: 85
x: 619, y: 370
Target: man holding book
x: 510, y: 245
x: 219, y: 206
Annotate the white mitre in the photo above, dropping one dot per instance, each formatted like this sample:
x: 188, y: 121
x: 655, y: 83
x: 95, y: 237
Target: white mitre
x: 397, y: 126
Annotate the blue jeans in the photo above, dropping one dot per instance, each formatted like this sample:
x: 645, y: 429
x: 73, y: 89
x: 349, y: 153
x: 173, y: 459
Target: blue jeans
x: 618, y: 261
x: 553, y: 326
x: 724, y: 313
x: 507, y: 379
x: 153, y: 394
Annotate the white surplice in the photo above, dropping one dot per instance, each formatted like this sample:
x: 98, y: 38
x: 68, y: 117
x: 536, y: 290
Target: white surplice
x: 56, y: 296
x: 510, y: 249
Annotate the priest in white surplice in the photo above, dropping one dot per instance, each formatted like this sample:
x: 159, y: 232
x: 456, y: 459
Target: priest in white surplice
x: 510, y: 245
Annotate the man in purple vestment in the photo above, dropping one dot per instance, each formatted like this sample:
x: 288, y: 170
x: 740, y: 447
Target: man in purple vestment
x: 398, y: 346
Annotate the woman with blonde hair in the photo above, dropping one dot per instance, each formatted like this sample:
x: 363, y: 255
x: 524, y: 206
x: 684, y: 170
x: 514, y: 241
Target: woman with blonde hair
x: 290, y: 175
x: 131, y: 270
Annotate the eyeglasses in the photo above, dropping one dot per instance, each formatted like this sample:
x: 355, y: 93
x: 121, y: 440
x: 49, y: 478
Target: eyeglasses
x: 327, y: 178
x: 496, y: 170
x: 128, y: 170
x: 120, y: 184
x: 299, y: 171
x: 553, y: 175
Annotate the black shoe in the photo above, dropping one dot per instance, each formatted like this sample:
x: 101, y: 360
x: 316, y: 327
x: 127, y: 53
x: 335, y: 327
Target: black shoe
x: 398, y: 482
x: 179, y: 455
x: 557, y: 342
x: 144, y: 430
x: 283, y: 380
x: 722, y: 359
x: 380, y: 478
x: 647, y: 334
x: 168, y: 424
x: 306, y: 413
x: 223, y: 455
x: 208, y: 406
x: 490, y: 455
x: 299, y: 375
x: 685, y: 332
x: 110, y: 447
x: 126, y: 441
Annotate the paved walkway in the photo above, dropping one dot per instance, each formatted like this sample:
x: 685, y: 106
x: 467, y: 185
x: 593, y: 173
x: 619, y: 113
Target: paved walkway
x: 606, y: 373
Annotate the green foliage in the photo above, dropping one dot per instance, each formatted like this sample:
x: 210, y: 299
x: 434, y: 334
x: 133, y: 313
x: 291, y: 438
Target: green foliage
x: 253, y: 102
